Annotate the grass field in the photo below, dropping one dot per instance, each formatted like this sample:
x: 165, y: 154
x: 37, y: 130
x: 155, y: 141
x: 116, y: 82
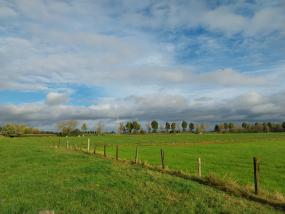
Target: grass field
x: 35, y: 176
x: 229, y: 156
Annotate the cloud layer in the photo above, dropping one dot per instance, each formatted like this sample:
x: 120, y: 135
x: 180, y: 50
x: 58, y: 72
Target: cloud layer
x: 165, y: 60
x: 247, y: 107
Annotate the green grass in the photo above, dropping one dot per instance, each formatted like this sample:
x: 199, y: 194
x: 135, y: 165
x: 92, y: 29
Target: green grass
x: 228, y: 156
x: 34, y: 176
x: 185, y: 138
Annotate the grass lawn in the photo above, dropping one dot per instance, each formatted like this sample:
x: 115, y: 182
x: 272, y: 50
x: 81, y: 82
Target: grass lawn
x: 34, y: 176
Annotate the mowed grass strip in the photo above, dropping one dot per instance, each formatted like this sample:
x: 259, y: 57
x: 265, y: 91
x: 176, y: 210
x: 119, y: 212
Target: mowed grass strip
x: 35, y: 176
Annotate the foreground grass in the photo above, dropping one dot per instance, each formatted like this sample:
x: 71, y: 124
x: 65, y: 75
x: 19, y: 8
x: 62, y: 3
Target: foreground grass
x: 35, y: 176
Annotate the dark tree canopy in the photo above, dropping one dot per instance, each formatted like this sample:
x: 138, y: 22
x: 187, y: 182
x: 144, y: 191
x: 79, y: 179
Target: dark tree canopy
x: 184, y: 125
x: 217, y: 128
x: 129, y: 127
x: 154, y: 125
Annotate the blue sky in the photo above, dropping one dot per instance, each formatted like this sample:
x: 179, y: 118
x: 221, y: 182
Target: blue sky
x: 112, y: 61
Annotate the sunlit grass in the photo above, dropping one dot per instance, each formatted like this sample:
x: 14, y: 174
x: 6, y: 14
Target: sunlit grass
x: 36, y: 176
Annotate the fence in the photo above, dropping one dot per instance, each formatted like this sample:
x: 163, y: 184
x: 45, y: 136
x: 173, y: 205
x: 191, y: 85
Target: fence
x: 163, y: 159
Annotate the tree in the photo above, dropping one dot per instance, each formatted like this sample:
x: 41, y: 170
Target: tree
x: 136, y: 126
x: 129, y: 127
x: 99, y: 128
x: 167, y: 126
x: 9, y: 130
x: 121, y: 128
x: 75, y: 132
x: 12, y: 129
x: 184, y: 125
x: 226, y: 126
x: 173, y: 127
x: 231, y: 126
x: 217, y: 128
x: 148, y: 127
x: 161, y: 128
x: 66, y: 127
x: 269, y: 125
x: 278, y: 127
x: 191, y: 127
x: 201, y: 128
x: 84, y: 127
x: 283, y: 125
x: 154, y: 126
x: 265, y: 127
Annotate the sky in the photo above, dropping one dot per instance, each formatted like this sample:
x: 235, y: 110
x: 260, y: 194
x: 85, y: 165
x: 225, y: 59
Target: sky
x: 111, y: 61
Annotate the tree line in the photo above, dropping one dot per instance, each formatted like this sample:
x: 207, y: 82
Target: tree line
x: 135, y: 127
x: 131, y: 127
x: 154, y: 127
x: 71, y: 128
x: 250, y: 127
x: 13, y: 129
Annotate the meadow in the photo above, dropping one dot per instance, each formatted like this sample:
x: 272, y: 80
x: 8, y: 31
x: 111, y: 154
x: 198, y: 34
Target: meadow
x: 228, y: 156
x: 36, y: 176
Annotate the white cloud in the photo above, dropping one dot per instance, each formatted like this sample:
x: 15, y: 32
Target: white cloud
x: 127, y: 60
x: 267, y: 21
x: 230, y: 77
x: 222, y: 19
x: 55, y: 98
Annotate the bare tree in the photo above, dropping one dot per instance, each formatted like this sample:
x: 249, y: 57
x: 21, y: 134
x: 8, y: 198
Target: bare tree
x: 161, y: 128
x: 167, y: 126
x: 99, y: 127
x: 84, y: 127
x: 136, y: 126
x: 173, y: 127
x: 121, y: 128
x: 66, y: 127
x: 148, y: 127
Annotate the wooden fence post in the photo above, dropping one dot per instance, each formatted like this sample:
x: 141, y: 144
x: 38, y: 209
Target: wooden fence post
x: 256, y: 174
x: 137, y: 155
x: 162, y: 158
x: 117, y: 152
x: 67, y: 144
x: 105, y: 153
x: 94, y: 152
x: 199, y: 172
x: 88, y: 145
